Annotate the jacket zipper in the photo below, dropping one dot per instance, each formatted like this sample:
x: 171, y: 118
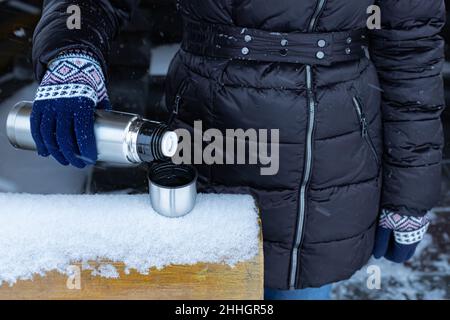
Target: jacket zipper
x: 176, y: 103
x: 313, y: 22
x: 365, y: 127
x: 308, y: 156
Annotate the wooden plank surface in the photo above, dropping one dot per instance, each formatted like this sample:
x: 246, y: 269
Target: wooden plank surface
x: 200, y: 281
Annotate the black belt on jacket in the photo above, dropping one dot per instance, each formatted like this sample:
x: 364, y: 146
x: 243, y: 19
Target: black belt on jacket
x: 231, y: 42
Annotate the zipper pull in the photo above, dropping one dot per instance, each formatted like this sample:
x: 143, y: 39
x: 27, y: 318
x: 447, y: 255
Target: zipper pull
x: 176, y: 103
x: 364, y: 126
x: 362, y: 117
x: 174, y: 113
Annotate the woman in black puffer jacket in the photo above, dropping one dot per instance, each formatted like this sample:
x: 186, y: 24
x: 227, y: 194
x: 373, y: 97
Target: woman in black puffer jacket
x: 358, y: 112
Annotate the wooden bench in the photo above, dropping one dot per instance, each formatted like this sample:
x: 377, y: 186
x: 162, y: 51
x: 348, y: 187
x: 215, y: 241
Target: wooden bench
x: 199, y: 281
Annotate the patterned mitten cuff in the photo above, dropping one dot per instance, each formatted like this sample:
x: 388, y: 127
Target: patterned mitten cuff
x: 398, y: 235
x: 78, y: 70
x: 62, y: 119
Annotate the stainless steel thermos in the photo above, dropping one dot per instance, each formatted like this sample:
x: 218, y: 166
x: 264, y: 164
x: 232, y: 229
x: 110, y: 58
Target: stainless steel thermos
x: 122, y: 138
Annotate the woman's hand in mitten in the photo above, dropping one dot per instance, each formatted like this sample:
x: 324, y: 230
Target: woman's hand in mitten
x: 62, y: 118
x: 398, y: 235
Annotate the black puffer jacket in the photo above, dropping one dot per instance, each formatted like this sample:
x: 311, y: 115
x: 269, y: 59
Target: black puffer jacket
x: 355, y: 135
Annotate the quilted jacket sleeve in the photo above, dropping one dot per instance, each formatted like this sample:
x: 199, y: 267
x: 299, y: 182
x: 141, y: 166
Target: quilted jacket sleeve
x: 408, y: 54
x: 100, y: 22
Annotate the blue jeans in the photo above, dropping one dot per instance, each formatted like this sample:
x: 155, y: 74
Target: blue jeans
x: 322, y: 293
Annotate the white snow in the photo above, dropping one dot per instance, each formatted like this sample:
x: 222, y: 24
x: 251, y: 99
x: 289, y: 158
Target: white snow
x: 106, y: 271
x: 40, y: 233
x: 20, y: 33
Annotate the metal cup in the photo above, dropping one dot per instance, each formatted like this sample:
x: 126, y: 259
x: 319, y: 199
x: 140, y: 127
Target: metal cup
x: 173, y: 188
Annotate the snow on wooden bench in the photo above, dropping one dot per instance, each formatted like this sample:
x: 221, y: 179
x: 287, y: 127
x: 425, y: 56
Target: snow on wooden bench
x: 116, y: 246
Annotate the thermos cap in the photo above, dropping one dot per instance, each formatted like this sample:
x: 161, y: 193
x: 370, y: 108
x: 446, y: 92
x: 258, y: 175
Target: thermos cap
x: 169, y: 144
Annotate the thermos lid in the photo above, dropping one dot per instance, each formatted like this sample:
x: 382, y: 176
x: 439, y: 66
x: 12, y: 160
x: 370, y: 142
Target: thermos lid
x: 169, y: 144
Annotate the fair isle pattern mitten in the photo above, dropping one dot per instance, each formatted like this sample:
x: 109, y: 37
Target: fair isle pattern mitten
x: 62, y: 119
x: 397, y: 236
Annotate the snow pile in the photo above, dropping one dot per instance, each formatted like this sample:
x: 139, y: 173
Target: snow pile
x: 43, y: 233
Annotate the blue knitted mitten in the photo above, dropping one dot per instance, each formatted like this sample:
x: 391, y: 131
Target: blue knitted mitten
x: 397, y: 236
x: 62, y: 118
